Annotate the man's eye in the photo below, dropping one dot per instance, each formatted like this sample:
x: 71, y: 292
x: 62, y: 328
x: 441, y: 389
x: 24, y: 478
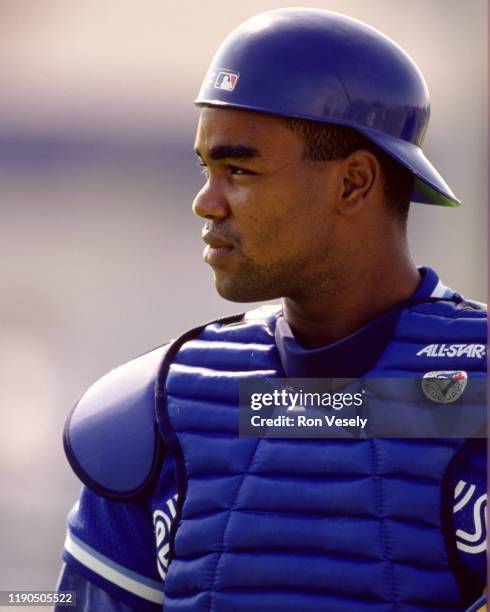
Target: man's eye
x: 238, y: 171
x: 232, y: 170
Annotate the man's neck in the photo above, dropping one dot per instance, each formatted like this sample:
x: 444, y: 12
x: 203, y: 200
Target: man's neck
x: 320, y: 320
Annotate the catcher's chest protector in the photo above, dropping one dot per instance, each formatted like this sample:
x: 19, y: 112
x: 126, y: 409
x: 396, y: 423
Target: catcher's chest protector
x: 278, y: 524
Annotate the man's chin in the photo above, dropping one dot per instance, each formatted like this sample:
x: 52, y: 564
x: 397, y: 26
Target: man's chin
x: 235, y: 290
x: 234, y: 294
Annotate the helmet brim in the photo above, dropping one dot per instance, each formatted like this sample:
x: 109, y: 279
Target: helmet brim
x: 429, y: 187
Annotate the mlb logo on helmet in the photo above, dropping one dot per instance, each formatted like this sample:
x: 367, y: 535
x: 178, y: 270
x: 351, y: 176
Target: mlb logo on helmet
x: 226, y: 80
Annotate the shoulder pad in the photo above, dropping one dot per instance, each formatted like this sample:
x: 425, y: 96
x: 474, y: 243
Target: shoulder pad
x: 110, y: 437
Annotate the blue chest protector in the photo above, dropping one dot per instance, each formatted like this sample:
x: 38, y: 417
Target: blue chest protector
x: 278, y: 524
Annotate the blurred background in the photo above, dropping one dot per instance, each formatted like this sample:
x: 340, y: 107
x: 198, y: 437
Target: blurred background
x: 101, y: 257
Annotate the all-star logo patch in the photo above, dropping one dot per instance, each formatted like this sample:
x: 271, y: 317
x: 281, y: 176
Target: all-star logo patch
x: 444, y: 386
x: 225, y: 80
x: 473, y: 351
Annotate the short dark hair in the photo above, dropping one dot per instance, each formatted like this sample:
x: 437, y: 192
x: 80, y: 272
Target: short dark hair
x: 329, y: 142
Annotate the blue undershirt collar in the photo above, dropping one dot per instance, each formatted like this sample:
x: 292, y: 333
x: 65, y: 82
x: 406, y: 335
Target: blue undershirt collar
x: 354, y: 355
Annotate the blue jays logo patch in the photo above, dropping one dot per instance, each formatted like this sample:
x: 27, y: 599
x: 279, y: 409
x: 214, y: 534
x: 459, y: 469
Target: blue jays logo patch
x: 444, y: 386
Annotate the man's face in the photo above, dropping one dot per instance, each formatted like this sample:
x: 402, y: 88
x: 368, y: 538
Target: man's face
x: 269, y: 228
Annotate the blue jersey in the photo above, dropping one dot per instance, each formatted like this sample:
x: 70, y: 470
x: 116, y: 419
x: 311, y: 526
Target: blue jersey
x: 123, y: 547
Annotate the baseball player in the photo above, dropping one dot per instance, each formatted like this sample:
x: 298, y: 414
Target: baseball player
x: 310, y: 142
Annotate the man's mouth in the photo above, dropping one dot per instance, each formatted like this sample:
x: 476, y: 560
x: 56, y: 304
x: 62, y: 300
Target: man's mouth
x: 216, y: 241
x: 218, y: 248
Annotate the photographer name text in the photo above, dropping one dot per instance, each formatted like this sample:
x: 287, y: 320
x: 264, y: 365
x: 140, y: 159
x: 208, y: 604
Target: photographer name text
x: 301, y: 420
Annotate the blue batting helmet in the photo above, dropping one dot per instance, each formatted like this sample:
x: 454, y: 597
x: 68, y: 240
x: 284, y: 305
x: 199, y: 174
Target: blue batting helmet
x: 318, y: 65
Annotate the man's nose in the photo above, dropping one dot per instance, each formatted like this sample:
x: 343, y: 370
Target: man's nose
x: 209, y: 203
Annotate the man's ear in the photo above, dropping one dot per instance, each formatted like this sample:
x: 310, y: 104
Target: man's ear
x: 360, y: 178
